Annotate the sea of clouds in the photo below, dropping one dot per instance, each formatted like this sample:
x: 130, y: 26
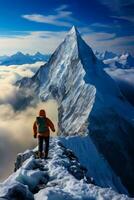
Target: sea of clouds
x: 125, y: 80
x: 16, y: 133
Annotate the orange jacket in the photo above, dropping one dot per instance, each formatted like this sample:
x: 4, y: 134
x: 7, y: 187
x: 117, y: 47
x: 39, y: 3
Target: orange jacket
x: 49, y: 125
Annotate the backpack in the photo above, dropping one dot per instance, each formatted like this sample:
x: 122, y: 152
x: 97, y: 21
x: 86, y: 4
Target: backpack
x: 41, y: 124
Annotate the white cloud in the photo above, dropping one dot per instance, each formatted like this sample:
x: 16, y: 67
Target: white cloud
x: 104, y: 41
x: 101, y: 36
x: 125, y: 80
x: 43, y: 41
x: 16, y: 126
x: 12, y: 73
x: 100, y: 25
x: 116, y: 5
x: 9, y: 75
x: 62, y: 17
x: 106, y: 26
x: 126, y: 18
x: 113, y: 5
x: 62, y: 7
x: 125, y: 75
x: 47, y: 41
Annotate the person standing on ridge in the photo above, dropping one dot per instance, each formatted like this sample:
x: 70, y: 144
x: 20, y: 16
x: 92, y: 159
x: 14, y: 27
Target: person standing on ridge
x: 41, y: 129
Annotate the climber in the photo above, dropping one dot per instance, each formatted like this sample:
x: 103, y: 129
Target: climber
x: 41, y: 130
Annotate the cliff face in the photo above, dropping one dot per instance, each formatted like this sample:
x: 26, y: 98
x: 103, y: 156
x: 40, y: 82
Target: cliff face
x: 89, y: 102
x: 62, y: 176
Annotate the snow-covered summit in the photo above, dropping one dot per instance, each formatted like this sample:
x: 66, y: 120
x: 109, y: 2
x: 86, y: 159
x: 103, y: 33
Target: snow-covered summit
x: 89, y: 102
x: 73, y: 31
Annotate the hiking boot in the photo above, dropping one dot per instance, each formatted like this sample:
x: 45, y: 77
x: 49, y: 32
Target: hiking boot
x: 40, y: 155
x: 46, y: 155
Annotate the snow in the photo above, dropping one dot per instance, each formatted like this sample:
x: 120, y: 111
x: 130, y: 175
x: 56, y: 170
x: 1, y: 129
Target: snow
x: 97, y: 166
x: 78, y: 191
x: 124, y: 61
x: 121, y: 69
x: 15, y: 190
x: 90, y: 102
x: 29, y: 174
x: 74, y: 77
x: 127, y: 60
x: 106, y: 55
x: 24, y: 180
x: 50, y: 179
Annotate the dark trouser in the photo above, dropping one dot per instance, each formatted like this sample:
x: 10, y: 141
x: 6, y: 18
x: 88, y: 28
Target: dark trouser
x: 40, y: 142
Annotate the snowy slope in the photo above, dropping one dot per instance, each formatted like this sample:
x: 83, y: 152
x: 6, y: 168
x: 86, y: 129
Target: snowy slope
x: 60, y: 177
x: 89, y: 102
x: 97, y: 166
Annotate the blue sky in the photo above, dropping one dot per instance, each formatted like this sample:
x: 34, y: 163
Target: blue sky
x: 40, y: 25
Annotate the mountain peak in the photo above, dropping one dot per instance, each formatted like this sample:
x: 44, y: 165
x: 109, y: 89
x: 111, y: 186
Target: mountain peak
x: 19, y: 53
x: 37, y: 53
x: 73, y: 31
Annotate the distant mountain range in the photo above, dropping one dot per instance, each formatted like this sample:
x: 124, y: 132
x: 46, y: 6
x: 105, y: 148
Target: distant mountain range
x: 105, y: 55
x: 123, y: 61
x: 19, y: 58
x: 121, y: 68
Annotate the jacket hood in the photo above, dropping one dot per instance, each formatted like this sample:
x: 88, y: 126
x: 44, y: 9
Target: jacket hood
x: 42, y: 113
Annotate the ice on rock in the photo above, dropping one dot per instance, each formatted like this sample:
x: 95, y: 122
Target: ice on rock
x: 15, y: 190
x: 21, y: 157
x: 25, y: 180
